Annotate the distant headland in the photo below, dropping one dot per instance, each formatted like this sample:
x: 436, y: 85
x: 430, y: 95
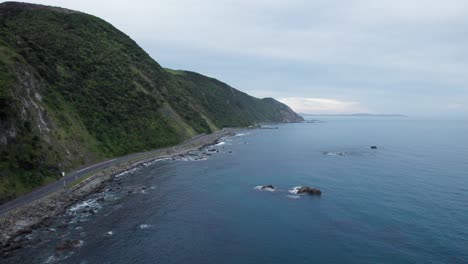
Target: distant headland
x: 357, y: 115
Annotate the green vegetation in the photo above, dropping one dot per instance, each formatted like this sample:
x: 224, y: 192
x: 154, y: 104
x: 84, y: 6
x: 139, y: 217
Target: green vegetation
x: 75, y: 90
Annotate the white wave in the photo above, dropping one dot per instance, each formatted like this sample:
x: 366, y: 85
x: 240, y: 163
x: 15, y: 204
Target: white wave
x: 293, y: 196
x: 339, y: 153
x: 110, y: 233
x: 90, y: 203
x: 127, y: 172
x: 260, y: 188
x: 221, y: 143
x: 189, y: 158
x: 241, y: 134
x: 144, y: 226
x: 59, y: 258
x: 153, y: 161
x: 294, y: 189
x: 56, y: 258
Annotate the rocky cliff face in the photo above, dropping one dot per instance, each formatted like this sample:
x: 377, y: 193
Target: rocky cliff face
x: 75, y: 90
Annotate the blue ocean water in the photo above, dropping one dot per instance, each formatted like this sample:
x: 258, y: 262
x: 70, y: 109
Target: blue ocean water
x: 405, y: 202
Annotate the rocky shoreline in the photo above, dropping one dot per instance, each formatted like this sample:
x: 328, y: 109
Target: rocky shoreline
x: 41, y: 212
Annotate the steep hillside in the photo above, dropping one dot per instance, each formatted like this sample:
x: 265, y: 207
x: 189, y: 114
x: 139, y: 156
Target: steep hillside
x: 75, y: 90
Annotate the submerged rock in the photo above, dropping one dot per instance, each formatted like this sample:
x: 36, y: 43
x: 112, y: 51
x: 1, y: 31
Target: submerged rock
x: 68, y: 244
x: 309, y: 190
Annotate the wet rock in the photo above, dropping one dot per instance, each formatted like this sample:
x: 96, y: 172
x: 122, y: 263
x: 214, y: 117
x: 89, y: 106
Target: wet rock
x: 267, y: 187
x: 373, y: 147
x: 100, y: 199
x: 6, y: 254
x: 309, y: 190
x: 68, y: 244
x: 62, y: 226
x: 35, y: 241
x: 18, y: 239
x: 47, y: 222
x: 12, y: 247
x: 25, y: 231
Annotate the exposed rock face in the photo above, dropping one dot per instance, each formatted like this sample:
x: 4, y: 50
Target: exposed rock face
x: 309, y: 190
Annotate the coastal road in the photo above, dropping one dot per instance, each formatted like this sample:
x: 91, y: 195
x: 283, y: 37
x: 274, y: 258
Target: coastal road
x: 80, y: 173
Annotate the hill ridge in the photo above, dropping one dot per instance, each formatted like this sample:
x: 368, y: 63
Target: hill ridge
x: 75, y: 90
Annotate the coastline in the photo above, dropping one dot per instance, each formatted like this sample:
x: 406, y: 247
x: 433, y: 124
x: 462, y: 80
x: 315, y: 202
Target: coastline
x: 41, y: 212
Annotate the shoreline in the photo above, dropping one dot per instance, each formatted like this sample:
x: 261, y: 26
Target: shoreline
x: 41, y: 212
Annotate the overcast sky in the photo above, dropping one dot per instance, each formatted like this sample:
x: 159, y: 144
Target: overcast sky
x: 330, y: 56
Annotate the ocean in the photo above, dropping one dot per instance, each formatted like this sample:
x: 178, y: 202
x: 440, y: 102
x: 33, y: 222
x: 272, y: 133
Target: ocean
x: 404, y: 202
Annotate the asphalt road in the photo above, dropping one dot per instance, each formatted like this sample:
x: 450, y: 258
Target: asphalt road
x: 77, y: 174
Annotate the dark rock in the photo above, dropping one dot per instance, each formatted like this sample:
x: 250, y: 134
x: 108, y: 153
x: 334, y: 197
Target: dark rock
x: 13, y: 247
x: 35, y: 241
x: 62, y: 226
x: 24, y: 231
x: 6, y: 254
x: 267, y: 187
x: 100, y: 199
x: 309, y: 190
x: 373, y: 147
x: 68, y: 244
x: 47, y: 222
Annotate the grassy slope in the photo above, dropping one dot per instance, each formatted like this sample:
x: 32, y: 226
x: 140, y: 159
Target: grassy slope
x: 74, y: 90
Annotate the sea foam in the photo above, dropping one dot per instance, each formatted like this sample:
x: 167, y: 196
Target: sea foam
x: 259, y: 188
x: 294, y: 190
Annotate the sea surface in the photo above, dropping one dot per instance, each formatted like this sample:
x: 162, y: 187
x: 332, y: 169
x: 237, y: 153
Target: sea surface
x: 404, y: 202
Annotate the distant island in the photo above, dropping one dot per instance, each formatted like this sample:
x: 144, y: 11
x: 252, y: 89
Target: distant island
x: 357, y: 115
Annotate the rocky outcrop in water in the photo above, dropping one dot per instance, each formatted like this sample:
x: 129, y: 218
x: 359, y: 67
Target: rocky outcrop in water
x: 309, y: 190
x: 68, y: 244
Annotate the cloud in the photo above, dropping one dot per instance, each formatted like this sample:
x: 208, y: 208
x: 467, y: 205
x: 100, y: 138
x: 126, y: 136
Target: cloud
x: 454, y: 106
x: 323, y: 106
x: 388, y: 54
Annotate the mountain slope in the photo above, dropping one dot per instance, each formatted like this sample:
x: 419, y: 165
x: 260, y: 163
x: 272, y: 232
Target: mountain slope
x: 75, y: 90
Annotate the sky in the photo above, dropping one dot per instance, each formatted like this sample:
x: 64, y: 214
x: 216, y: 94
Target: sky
x: 322, y: 57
